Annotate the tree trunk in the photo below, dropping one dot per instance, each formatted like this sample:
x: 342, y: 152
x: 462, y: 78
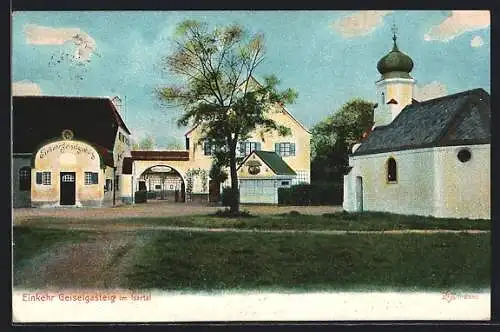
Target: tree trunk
x: 235, y: 204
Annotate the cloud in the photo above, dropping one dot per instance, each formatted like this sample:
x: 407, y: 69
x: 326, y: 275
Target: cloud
x: 360, y: 23
x: 26, y: 88
x: 457, y: 23
x: 477, y: 41
x: 432, y: 90
x: 40, y: 35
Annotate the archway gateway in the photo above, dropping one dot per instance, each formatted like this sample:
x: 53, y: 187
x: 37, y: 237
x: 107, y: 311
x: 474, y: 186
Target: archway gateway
x: 163, y: 182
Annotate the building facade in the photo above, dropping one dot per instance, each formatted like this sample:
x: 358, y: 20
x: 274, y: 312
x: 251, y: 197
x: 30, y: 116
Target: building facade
x: 73, y: 151
x: 429, y: 158
x: 68, y: 151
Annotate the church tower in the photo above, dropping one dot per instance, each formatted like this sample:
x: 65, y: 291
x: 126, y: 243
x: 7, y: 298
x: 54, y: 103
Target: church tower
x: 395, y: 86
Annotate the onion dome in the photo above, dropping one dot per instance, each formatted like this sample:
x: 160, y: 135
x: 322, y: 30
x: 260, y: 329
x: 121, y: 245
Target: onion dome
x: 395, y: 63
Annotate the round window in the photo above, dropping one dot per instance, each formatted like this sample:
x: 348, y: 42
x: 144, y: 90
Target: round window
x: 464, y: 155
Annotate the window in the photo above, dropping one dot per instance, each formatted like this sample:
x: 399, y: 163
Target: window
x: 392, y: 175
x: 43, y: 178
x: 245, y: 148
x: 383, y: 98
x: 24, y: 179
x: 68, y: 178
x: 208, y: 149
x: 187, y: 143
x: 109, y: 185
x: 285, y: 183
x: 157, y: 186
x: 91, y: 178
x: 285, y: 149
x: 464, y: 155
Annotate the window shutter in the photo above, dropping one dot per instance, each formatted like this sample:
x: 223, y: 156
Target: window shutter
x: 242, y: 148
x: 277, y: 148
x: 38, y: 177
x: 292, y: 149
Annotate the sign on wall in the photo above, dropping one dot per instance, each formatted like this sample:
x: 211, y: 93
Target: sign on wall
x: 67, y: 154
x: 66, y: 146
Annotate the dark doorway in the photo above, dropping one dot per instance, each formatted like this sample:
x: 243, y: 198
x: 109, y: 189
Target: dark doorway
x: 359, y: 194
x: 213, y: 191
x: 183, y: 192
x: 68, y: 188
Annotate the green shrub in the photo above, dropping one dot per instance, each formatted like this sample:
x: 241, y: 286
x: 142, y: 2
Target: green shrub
x: 140, y: 196
x: 229, y: 196
x: 311, y: 194
x: 226, y: 213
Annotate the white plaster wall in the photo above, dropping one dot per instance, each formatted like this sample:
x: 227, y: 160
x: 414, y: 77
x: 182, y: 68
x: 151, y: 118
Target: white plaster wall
x: 412, y: 194
x: 463, y: 189
x: 430, y: 182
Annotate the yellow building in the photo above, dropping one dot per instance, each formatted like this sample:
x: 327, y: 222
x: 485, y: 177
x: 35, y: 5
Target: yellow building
x: 190, y: 168
x: 68, y: 151
x: 77, y: 153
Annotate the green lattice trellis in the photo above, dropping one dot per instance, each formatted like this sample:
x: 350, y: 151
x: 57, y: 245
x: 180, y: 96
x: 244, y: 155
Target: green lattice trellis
x: 191, y: 173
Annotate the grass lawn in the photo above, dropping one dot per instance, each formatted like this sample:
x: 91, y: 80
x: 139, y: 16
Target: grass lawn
x: 239, y: 261
x: 334, y: 221
x: 29, y: 241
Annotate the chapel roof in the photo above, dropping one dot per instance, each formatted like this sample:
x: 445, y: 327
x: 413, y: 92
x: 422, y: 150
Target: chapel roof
x: 36, y: 119
x: 458, y: 119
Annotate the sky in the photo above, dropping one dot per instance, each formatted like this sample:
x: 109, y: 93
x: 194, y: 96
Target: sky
x: 328, y: 57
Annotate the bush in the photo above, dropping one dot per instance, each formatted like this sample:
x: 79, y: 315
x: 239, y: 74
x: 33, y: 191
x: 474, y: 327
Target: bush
x: 226, y: 213
x: 311, y: 194
x: 140, y: 196
x: 229, y: 196
x: 151, y: 195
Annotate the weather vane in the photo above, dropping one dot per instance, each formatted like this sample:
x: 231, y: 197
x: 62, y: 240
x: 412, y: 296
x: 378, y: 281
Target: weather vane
x: 394, y: 31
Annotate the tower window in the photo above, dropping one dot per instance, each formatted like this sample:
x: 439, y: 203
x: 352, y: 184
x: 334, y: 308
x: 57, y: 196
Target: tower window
x: 383, y: 98
x: 392, y: 175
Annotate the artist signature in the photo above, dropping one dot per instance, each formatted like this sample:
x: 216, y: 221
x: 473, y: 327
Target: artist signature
x: 450, y: 296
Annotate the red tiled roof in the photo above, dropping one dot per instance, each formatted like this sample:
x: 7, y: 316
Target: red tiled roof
x: 90, y: 118
x: 107, y: 156
x: 160, y: 155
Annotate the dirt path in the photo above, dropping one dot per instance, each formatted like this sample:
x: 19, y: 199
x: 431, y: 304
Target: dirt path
x: 157, y: 209
x: 100, y: 262
x: 112, y: 227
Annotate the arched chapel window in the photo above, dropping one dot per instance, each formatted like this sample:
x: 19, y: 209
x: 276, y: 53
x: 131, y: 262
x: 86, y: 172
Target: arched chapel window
x: 25, y: 179
x: 392, y: 175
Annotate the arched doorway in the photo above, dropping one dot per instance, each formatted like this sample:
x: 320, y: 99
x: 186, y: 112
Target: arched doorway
x: 163, y: 182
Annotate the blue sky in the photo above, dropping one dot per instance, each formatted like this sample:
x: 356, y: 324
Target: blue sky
x: 329, y: 57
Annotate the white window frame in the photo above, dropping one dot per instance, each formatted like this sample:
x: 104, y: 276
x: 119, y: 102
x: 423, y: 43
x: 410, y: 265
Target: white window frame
x: 285, y: 149
x: 46, y: 178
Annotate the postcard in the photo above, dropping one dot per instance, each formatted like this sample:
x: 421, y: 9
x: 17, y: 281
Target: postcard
x: 218, y: 166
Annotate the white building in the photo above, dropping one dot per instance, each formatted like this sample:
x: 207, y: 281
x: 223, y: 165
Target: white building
x: 428, y: 158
